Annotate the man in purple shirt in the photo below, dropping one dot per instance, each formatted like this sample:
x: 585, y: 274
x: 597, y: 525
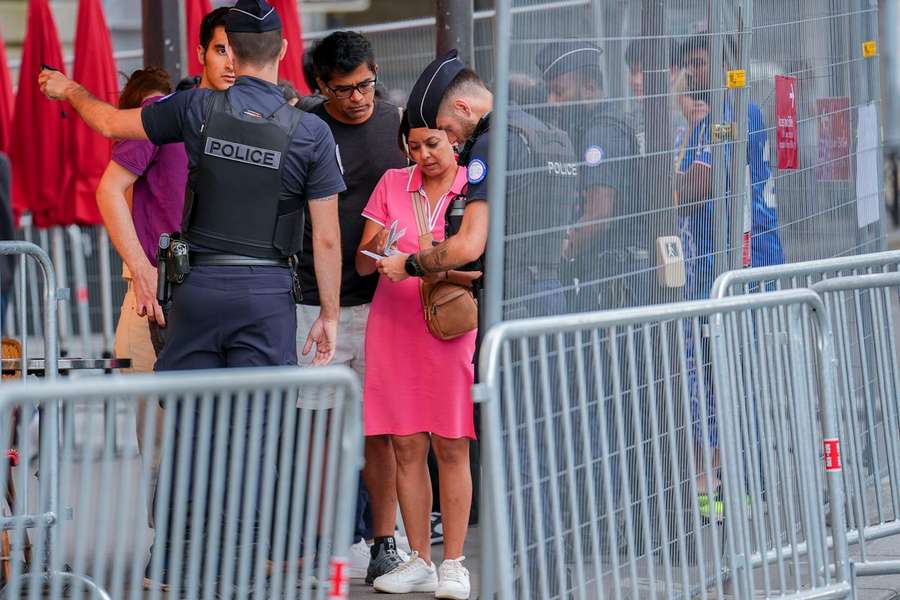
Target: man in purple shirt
x: 140, y: 196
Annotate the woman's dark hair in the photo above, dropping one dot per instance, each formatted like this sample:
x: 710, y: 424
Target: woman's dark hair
x: 340, y: 53
x: 290, y: 92
x: 142, y: 83
x: 403, y: 134
x: 211, y: 20
x: 257, y: 49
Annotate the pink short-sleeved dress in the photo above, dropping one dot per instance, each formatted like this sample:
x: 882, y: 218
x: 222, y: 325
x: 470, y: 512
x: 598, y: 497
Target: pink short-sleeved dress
x: 414, y: 382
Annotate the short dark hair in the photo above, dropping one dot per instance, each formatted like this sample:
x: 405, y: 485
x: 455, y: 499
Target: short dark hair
x: 466, y: 77
x: 340, y: 53
x: 258, y: 49
x: 637, y: 52
x: 403, y: 134
x: 142, y: 83
x: 309, y: 72
x: 692, y: 44
x: 211, y: 20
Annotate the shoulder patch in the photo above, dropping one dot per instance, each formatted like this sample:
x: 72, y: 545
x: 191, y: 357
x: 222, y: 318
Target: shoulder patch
x: 477, y: 171
x: 593, y: 156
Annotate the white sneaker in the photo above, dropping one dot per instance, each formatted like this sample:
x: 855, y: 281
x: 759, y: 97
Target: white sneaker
x: 359, y: 559
x: 453, y: 580
x: 412, y: 576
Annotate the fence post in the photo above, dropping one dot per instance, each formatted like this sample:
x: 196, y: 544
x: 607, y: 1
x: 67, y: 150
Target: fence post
x: 106, y: 306
x: 455, y: 28
x: 494, y: 270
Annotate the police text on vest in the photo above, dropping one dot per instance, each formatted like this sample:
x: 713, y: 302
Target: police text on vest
x: 259, y: 157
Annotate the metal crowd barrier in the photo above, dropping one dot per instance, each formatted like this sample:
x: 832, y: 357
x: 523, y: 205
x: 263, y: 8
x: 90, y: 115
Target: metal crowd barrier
x: 605, y: 438
x: 256, y: 491
x: 861, y: 296
x: 48, y: 309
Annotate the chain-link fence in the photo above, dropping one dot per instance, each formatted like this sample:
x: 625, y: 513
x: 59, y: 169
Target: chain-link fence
x: 705, y: 136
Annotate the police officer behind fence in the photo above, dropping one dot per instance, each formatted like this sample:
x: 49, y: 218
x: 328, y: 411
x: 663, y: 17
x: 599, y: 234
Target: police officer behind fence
x: 540, y: 192
x: 254, y: 165
x: 607, y: 244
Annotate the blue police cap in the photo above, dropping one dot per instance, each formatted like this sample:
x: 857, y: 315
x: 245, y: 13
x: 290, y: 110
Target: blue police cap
x: 559, y: 58
x: 427, y: 93
x: 252, y: 16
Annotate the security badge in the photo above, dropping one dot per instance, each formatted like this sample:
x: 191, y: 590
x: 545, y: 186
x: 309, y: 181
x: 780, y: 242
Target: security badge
x: 477, y: 171
x: 593, y: 156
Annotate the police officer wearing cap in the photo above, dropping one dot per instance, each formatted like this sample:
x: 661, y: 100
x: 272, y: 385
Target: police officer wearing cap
x: 540, y: 192
x: 609, y: 244
x: 255, y: 164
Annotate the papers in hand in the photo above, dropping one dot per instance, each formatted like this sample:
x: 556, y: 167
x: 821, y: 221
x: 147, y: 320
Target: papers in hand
x: 393, y: 237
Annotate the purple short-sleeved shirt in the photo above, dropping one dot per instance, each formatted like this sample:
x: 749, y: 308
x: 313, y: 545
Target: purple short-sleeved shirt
x: 158, y: 197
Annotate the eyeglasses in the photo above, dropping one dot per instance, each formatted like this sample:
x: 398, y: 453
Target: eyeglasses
x: 346, y: 91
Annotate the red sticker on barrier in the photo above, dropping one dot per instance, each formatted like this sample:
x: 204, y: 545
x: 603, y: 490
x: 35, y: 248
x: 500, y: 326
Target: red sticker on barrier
x: 81, y: 294
x: 747, y: 253
x: 340, y: 580
x: 832, y: 454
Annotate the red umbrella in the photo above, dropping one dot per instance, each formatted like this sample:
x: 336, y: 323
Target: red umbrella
x: 38, y: 148
x: 196, y: 10
x: 6, y: 100
x: 291, y: 67
x: 89, y: 152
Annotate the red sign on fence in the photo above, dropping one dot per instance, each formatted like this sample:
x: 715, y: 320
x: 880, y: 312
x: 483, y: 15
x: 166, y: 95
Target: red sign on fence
x: 340, y: 579
x: 834, y: 139
x: 786, y: 117
x: 832, y: 454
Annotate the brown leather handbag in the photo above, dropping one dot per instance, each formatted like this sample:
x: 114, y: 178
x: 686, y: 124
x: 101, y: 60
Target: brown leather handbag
x: 450, y: 306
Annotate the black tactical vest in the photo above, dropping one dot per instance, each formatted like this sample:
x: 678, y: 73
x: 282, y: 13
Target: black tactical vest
x: 543, y: 206
x: 236, y: 203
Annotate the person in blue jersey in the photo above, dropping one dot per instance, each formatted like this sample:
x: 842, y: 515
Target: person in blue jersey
x: 694, y: 179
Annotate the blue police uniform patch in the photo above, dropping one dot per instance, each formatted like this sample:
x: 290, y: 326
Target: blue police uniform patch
x: 477, y: 171
x: 593, y: 156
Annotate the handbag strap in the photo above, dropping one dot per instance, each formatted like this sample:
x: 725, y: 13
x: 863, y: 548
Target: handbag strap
x: 420, y: 206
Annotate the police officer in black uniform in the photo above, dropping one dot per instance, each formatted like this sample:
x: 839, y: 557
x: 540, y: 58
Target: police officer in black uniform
x: 255, y: 165
x: 540, y: 190
x: 609, y: 244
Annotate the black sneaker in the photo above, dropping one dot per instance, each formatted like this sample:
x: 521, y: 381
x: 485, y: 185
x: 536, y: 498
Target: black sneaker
x: 385, y: 559
x: 437, y: 529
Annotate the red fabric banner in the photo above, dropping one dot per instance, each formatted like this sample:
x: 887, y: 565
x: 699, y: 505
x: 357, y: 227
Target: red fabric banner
x: 786, y: 119
x: 38, y: 148
x: 196, y: 10
x: 6, y: 99
x: 89, y: 152
x: 291, y: 67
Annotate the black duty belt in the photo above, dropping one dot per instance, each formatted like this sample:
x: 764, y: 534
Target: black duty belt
x: 203, y: 259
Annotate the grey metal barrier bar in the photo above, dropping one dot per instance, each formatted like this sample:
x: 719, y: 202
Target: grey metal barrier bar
x: 257, y: 487
x: 623, y: 467
x: 861, y: 309
x: 802, y: 274
x: 861, y: 296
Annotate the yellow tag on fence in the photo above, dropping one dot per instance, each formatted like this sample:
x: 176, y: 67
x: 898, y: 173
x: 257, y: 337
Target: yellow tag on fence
x: 737, y: 78
x: 870, y: 49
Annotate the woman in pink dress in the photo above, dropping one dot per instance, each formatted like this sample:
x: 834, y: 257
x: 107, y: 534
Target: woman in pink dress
x: 417, y: 387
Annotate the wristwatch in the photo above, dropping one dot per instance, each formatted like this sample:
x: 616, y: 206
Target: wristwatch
x: 412, y: 266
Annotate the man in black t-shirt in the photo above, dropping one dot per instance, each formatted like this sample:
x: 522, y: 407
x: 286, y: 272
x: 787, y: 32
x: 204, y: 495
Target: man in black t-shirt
x: 365, y: 129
